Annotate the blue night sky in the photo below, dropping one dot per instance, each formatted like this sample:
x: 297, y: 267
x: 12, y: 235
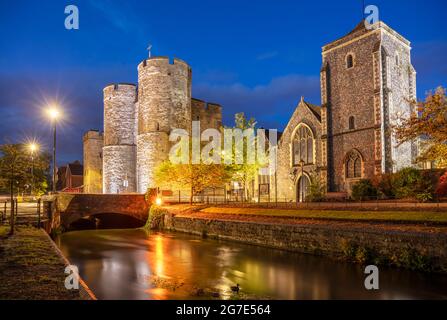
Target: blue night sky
x: 259, y: 57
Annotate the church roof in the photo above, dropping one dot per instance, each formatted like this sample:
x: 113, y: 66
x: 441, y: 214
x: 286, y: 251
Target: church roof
x: 359, y: 30
x: 316, y: 110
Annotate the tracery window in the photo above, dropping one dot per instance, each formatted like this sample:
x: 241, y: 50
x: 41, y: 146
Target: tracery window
x: 354, y: 165
x: 303, y: 145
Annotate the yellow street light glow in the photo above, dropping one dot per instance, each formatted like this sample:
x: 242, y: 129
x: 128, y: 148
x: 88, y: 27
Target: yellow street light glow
x: 33, y: 147
x: 53, y: 113
x: 158, y: 201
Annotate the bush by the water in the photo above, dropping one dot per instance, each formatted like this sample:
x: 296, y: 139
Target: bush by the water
x: 364, y: 190
x: 155, y: 220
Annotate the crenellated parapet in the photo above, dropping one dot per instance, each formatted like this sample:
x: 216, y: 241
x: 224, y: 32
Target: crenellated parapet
x: 209, y: 114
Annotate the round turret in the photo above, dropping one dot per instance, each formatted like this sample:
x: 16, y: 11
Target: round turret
x: 164, y: 103
x: 119, y: 152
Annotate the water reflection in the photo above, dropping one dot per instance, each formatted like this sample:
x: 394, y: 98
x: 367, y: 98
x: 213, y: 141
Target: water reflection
x: 131, y: 264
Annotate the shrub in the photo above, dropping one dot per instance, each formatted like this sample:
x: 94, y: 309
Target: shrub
x: 317, y: 190
x: 384, y: 185
x: 363, y: 190
x: 405, y: 183
x: 155, y: 220
x: 441, y: 189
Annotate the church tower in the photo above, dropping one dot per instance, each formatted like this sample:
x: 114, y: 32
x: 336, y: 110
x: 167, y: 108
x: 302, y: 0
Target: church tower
x: 367, y: 81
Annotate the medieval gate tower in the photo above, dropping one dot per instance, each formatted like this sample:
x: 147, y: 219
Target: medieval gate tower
x: 138, y: 121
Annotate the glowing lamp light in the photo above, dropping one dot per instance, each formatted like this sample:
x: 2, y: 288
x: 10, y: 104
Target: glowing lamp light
x: 158, y: 201
x: 33, y: 147
x: 53, y: 113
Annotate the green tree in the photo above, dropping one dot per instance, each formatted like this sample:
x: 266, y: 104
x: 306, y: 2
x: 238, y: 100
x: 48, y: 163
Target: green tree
x: 428, y: 122
x: 246, y: 172
x: 15, y: 169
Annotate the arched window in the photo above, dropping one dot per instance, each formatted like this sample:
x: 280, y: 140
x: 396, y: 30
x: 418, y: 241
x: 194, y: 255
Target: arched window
x: 397, y: 59
x: 303, y: 145
x: 351, y: 123
x: 349, y: 61
x: 354, y: 165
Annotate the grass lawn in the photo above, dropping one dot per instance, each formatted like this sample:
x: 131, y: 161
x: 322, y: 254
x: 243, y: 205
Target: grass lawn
x: 394, y: 216
x: 30, y: 267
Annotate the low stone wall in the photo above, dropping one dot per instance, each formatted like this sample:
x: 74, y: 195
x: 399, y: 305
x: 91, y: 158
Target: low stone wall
x: 421, y: 251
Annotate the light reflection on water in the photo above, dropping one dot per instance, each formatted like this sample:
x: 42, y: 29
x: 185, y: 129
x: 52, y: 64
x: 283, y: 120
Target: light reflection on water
x: 132, y: 264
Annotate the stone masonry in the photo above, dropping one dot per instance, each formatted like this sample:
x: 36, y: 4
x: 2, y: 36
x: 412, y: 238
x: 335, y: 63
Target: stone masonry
x: 139, y: 119
x: 93, y: 144
x: 367, y: 81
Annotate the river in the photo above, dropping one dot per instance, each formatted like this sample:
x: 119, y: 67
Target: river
x: 134, y: 264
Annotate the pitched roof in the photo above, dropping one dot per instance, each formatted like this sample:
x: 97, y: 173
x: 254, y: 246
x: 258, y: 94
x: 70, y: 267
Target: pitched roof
x: 316, y: 110
x: 76, y: 168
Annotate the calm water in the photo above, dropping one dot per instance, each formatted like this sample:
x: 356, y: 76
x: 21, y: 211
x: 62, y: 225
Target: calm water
x: 132, y: 264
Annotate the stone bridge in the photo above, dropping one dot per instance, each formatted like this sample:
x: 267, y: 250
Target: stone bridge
x: 67, y: 208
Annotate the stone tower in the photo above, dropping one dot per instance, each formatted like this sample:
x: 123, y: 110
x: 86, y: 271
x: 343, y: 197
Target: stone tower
x: 93, y: 142
x: 119, y: 152
x: 366, y: 81
x: 164, y: 103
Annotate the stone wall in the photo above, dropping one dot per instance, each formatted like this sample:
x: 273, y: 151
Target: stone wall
x: 333, y: 242
x: 119, y: 152
x: 93, y: 142
x: 209, y: 114
x: 288, y: 173
x: 374, y: 91
x: 164, y: 103
x: 65, y: 208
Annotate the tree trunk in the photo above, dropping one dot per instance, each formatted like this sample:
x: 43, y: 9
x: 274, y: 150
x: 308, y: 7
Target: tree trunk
x: 191, y: 196
x: 11, y: 194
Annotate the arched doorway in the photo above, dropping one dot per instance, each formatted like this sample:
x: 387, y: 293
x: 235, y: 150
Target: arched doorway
x: 302, y: 188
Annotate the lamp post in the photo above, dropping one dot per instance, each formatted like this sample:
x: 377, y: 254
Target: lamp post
x: 33, y: 147
x: 53, y: 114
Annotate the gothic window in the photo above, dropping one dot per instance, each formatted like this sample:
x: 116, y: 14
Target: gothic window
x: 351, y: 123
x: 354, y: 165
x: 349, y: 61
x: 303, y: 145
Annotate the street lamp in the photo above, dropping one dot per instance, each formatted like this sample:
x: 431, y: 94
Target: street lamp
x: 33, y: 147
x: 53, y: 113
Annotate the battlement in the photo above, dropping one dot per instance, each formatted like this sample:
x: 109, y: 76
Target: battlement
x: 93, y: 134
x: 164, y: 62
x: 201, y: 105
x: 209, y: 114
x: 120, y: 87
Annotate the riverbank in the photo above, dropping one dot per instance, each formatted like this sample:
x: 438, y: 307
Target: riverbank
x: 417, y: 244
x: 32, y: 268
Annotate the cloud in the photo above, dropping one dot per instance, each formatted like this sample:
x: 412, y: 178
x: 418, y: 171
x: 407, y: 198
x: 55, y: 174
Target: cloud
x: 271, y: 104
x: 267, y: 55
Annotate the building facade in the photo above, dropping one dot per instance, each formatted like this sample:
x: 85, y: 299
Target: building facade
x: 138, y: 120
x: 367, y: 82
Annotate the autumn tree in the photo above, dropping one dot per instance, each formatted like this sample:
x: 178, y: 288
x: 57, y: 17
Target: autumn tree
x: 193, y: 177
x: 429, y: 123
